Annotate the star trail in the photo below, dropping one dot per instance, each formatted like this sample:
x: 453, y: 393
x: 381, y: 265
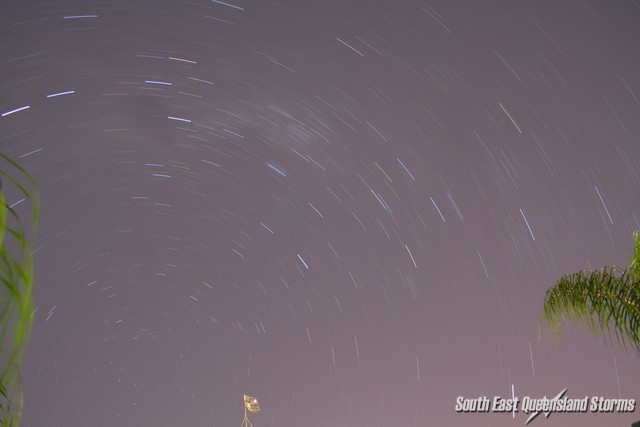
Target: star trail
x: 350, y: 210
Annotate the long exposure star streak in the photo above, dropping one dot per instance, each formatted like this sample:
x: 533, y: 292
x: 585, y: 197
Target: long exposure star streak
x: 348, y: 209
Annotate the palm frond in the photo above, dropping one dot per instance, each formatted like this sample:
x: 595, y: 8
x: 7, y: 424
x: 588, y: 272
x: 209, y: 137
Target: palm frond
x: 11, y: 402
x: 635, y: 262
x: 607, y: 302
x: 16, y: 283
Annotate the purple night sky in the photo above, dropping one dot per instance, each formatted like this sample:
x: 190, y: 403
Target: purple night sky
x: 349, y: 209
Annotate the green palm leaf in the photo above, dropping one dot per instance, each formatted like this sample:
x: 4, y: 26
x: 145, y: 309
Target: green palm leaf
x: 607, y: 300
x: 16, y: 283
x: 635, y: 261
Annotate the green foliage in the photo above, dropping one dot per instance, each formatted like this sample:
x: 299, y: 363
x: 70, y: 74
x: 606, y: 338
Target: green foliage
x: 607, y: 300
x: 635, y: 261
x: 11, y: 407
x: 16, y: 283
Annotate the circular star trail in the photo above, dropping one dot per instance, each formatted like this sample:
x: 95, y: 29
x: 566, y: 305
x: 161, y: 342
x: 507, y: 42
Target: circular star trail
x: 350, y: 210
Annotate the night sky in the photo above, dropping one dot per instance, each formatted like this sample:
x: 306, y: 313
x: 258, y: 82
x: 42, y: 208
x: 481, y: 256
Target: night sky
x: 348, y: 209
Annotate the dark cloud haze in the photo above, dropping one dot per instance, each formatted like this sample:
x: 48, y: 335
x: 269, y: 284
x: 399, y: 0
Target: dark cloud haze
x: 348, y: 209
